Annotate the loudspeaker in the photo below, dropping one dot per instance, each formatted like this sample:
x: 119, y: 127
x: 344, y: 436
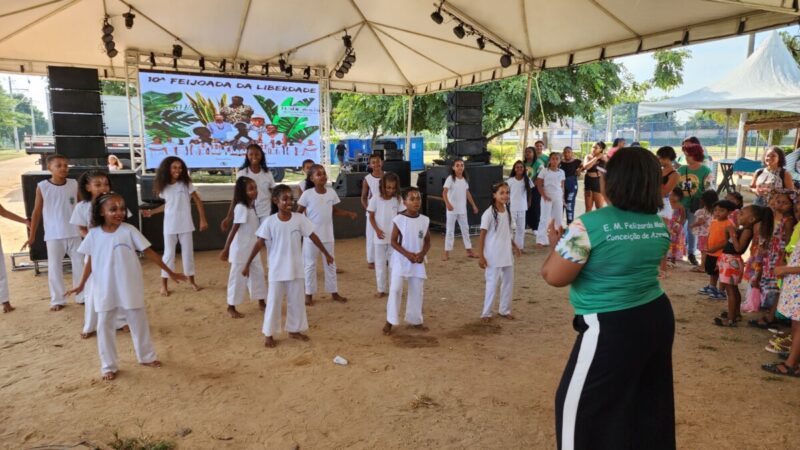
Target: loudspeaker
x: 465, y: 115
x: 466, y: 148
x: 123, y: 182
x: 146, y: 194
x: 400, y: 168
x: 480, y: 178
x: 349, y: 184
x: 75, y: 101
x: 73, y: 78
x: 211, y: 239
x: 393, y: 155
x: 465, y: 98
x: 384, y: 145
x: 78, y: 124
x: 81, y: 146
x: 464, y: 131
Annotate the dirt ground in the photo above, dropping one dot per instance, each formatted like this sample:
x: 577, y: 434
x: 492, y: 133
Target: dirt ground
x: 460, y: 385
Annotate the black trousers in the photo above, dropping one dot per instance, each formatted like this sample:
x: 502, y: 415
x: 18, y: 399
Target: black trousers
x: 533, y: 213
x: 616, y: 391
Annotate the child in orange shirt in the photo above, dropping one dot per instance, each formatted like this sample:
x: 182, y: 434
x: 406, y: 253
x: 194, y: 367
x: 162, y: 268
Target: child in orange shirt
x: 717, y: 236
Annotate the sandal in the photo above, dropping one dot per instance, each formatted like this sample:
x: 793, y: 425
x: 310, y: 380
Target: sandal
x: 724, y: 315
x: 757, y: 323
x: 793, y: 372
x: 720, y: 323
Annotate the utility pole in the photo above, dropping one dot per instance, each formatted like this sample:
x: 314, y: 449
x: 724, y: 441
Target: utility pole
x: 741, y: 134
x: 16, y: 135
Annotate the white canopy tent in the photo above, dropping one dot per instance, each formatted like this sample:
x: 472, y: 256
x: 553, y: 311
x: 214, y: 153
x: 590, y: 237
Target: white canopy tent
x: 400, y: 49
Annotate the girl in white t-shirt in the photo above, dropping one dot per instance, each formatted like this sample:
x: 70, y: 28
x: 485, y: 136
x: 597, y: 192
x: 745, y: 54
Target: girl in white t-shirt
x: 255, y: 168
x: 319, y: 205
x: 550, y: 184
x: 411, y: 242
x: 519, y: 186
x: 369, y: 189
x: 4, y: 296
x: 456, y: 195
x: 112, y: 244
x: 382, y: 209
x: 91, y: 184
x: 174, y: 185
x: 305, y: 167
x: 237, y: 248
x: 496, y: 255
x: 282, y: 234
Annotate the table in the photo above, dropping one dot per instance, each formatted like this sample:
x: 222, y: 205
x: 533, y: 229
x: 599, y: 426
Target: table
x: 727, y: 184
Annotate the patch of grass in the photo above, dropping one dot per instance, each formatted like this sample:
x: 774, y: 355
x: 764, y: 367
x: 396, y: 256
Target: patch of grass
x: 6, y: 154
x: 140, y: 443
x: 707, y: 347
x: 423, y: 401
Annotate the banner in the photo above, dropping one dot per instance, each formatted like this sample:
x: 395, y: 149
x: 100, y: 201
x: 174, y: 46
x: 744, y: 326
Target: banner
x: 209, y: 121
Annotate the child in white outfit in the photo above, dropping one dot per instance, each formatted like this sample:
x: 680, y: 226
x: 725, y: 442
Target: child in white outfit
x: 382, y: 210
x: 456, y: 195
x: 241, y: 240
x: 369, y: 189
x: 550, y: 183
x: 495, y: 253
x: 519, y: 186
x: 411, y: 242
x: 282, y: 234
x: 4, y: 296
x: 55, y: 199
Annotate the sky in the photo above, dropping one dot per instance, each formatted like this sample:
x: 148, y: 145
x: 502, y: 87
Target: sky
x: 709, y: 62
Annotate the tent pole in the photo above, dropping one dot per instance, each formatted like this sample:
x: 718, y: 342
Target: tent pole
x: 409, y: 116
x: 741, y: 135
x: 727, y: 129
x: 526, y: 115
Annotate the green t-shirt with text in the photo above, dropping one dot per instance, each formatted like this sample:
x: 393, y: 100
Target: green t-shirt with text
x: 692, y: 182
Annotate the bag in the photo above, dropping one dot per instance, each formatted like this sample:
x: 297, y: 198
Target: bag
x: 752, y: 301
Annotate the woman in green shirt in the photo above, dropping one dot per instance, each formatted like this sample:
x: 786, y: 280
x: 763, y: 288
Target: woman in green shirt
x: 693, y: 181
x: 616, y: 391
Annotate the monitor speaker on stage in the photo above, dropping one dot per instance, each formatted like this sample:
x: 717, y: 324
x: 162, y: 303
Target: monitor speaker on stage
x: 83, y: 147
x: 68, y: 101
x: 77, y: 125
x: 349, y: 184
x: 73, y: 78
x: 400, y: 168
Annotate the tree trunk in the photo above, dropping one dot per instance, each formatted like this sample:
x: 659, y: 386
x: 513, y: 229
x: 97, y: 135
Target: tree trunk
x: 502, y: 132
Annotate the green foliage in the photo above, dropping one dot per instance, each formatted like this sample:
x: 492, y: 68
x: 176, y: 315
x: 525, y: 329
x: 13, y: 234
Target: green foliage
x: 378, y: 115
x: 140, y: 443
x: 163, y: 117
x: 502, y: 154
x: 11, y: 115
x: 668, y: 73
x: 293, y: 128
x: 205, y: 108
x: 113, y: 87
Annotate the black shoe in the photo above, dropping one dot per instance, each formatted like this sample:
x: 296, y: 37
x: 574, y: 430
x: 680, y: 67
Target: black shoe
x: 692, y: 260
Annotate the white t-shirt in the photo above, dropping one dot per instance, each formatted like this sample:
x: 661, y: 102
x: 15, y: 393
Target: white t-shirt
x: 413, y: 231
x: 519, y: 194
x: 552, y: 180
x: 245, y: 237
x: 82, y: 214
x: 373, y: 183
x: 178, y: 208
x: 116, y: 272
x: 319, y: 209
x: 457, y: 194
x: 497, y: 248
x: 59, y: 202
x: 264, y: 182
x: 385, y: 211
x: 283, y: 240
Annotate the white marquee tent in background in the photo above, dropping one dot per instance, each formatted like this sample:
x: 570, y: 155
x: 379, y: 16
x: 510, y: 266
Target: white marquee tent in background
x: 400, y: 50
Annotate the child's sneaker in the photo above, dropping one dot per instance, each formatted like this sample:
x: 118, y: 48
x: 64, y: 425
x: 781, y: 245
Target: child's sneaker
x: 707, y: 290
x: 717, y: 295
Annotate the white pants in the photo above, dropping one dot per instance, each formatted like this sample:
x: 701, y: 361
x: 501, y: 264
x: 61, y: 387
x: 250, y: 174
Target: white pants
x: 255, y: 283
x: 370, y: 234
x: 187, y: 252
x: 90, y: 315
x: 551, y: 210
x: 383, y: 260
x: 107, y: 337
x: 296, y: 319
x: 450, y: 230
x: 3, y: 277
x: 56, y: 249
x: 506, y: 278
x: 310, y: 256
x: 519, y: 227
x: 413, y: 300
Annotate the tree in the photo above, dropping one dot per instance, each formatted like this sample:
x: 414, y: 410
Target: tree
x: 114, y: 87
x: 378, y: 115
x: 10, y: 116
x: 24, y: 107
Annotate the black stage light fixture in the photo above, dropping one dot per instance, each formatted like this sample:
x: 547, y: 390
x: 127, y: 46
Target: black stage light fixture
x: 152, y: 59
x: 288, y: 70
x: 265, y: 68
x: 505, y: 60
x: 129, y: 16
x: 351, y: 58
x: 339, y: 73
x: 282, y: 64
x: 307, y: 73
x: 436, y: 16
x: 344, y: 69
x: 459, y: 31
x: 346, y: 65
x: 112, y: 53
x: 348, y: 41
x: 110, y: 45
x: 202, y: 63
x: 107, y: 28
x: 222, y: 65
x: 107, y: 38
x: 481, y: 43
x: 177, y: 51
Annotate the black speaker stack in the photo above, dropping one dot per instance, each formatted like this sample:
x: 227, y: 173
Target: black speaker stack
x: 481, y: 177
x: 464, y: 124
x: 77, y: 114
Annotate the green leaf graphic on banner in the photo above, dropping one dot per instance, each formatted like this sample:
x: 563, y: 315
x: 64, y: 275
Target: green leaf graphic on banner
x: 293, y: 128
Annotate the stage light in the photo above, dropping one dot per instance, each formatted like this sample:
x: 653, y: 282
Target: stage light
x: 152, y: 59
x: 107, y: 38
x: 110, y: 46
x: 107, y: 28
x: 685, y: 40
x: 282, y: 64
x: 459, y: 31
x: 481, y: 43
x: 339, y: 74
x: 351, y: 58
x: 348, y: 41
x: 222, y: 65
x: 505, y: 60
x: 265, y: 68
x: 346, y: 65
x: 177, y: 51
x: 344, y: 69
x: 112, y: 53
x: 245, y: 67
x: 288, y: 70
x: 129, y: 16
x: 202, y: 63
x: 307, y: 73
x: 436, y: 16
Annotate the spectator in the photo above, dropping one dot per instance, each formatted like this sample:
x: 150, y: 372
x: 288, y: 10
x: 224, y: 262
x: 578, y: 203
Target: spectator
x: 773, y: 176
x: 341, y: 150
x: 694, y: 179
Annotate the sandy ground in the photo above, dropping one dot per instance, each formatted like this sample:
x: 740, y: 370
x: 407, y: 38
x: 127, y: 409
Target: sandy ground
x: 459, y: 385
